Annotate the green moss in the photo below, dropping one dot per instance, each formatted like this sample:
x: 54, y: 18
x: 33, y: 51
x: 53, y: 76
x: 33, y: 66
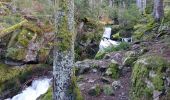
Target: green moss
x: 141, y: 71
x: 48, y: 95
x: 74, y: 89
x: 138, y: 85
x: 43, y: 54
x: 158, y: 82
x: 113, y: 70
x: 129, y: 61
x: 95, y: 91
x: 16, y: 53
x: 12, y: 78
x: 99, y: 55
x: 108, y: 90
x: 120, y: 47
x: 22, y: 39
x: 64, y: 36
x: 98, y: 89
x: 116, y: 36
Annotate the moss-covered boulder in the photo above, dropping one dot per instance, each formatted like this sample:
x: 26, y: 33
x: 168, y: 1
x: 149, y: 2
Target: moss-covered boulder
x: 113, y: 70
x: 99, y: 55
x: 108, y: 90
x: 148, y: 76
x: 130, y: 58
x: 95, y: 90
x: 12, y: 78
x: 16, y: 53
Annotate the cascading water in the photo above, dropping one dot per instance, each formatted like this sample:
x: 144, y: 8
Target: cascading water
x: 106, y: 41
x: 37, y: 88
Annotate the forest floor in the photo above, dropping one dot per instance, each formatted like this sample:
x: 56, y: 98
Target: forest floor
x: 92, y: 78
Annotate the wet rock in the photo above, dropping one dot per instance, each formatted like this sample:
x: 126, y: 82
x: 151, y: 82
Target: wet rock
x: 116, y: 85
x: 95, y: 90
x: 108, y: 90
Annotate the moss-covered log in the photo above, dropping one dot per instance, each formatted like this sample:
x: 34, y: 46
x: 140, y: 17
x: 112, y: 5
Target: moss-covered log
x: 12, y: 28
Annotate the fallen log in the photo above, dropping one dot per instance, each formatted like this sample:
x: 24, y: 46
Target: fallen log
x: 12, y: 28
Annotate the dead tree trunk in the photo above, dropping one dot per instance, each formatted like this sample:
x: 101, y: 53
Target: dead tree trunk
x: 63, y: 50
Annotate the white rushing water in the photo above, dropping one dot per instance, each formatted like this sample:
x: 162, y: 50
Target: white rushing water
x: 37, y: 88
x: 106, y: 41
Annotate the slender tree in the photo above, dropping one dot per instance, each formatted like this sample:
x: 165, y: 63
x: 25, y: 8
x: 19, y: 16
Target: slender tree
x: 158, y: 10
x: 141, y: 4
x: 63, y: 49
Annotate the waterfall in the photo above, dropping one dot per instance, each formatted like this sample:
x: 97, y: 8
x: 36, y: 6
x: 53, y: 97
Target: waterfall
x: 37, y: 88
x: 106, y: 41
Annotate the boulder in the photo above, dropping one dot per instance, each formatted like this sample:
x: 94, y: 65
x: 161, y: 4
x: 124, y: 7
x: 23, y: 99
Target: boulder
x: 148, y: 76
x: 113, y: 70
x: 129, y: 58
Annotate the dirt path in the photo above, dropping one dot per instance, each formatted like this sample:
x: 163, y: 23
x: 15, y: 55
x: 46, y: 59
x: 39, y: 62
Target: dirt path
x: 91, y: 79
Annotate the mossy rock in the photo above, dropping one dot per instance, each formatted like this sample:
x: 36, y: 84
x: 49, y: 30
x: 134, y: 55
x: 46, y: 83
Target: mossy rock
x: 16, y: 53
x: 11, y: 78
x: 95, y: 90
x: 108, y: 90
x: 43, y: 55
x: 130, y: 58
x: 140, y: 73
x: 113, y: 70
x: 99, y: 55
x: 129, y: 61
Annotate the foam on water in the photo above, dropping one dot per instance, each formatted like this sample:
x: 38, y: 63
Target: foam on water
x: 37, y: 88
x: 106, y: 41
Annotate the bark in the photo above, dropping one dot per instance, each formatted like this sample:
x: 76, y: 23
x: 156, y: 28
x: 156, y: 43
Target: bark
x: 158, y: 10
x: 63, y: 58
x: 110, y: 3
x: 141, y: 4
x: 12, y: 28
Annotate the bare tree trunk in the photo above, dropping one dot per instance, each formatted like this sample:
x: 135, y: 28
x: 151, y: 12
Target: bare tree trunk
x: 110, y: 3
x: 158, y: 9
x: 141, y: 4
x: 63, y: 50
